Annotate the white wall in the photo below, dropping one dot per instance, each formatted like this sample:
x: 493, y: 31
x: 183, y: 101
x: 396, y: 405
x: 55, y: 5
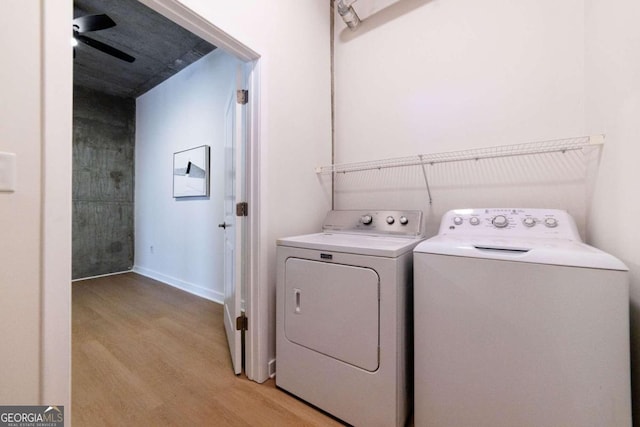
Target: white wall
x: 20, y: 126
x: 435, y: 76
x: 613, y: 106
x: 185, y: 111
x: 428, y: 76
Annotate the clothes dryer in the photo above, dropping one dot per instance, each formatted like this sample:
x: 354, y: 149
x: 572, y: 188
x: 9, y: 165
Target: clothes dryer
x: 519, y: 323
x: 343, y: 321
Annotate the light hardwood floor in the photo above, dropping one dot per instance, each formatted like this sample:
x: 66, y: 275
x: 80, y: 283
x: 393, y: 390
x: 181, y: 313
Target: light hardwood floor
x: 147, y: 354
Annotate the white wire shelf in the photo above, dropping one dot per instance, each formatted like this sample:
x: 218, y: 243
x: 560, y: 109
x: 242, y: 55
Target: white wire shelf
x: 531, y: 148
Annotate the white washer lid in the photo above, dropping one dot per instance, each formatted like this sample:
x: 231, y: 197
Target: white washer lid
x: 537, y: 251
x: 384, y: 246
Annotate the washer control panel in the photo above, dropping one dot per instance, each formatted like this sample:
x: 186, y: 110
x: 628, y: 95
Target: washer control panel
x: 400, y: 223
x: 514, y: 222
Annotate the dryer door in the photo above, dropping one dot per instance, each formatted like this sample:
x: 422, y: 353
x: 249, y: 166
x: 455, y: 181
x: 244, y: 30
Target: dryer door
x: 333, y: 309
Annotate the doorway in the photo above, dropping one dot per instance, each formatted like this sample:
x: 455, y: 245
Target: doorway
x: 184, y: 17
x: 56, y: 210
x: 250, y: 252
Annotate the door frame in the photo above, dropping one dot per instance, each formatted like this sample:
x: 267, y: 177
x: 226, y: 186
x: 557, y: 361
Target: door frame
x: 56, y: 95
x: 56, y: 142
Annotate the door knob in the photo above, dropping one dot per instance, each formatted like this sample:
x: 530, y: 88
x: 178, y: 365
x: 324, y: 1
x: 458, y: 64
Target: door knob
x: 224, y: 225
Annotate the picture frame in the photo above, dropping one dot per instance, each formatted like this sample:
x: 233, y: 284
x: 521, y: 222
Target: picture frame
x: 191, y: 172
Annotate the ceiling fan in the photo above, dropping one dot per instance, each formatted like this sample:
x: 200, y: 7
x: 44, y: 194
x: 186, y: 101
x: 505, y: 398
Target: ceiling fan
x: 85, y: 24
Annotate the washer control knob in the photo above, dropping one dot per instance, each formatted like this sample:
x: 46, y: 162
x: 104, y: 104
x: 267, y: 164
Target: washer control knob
x: 457, y: 220
x: 474, y: 220
x: 529, y: 222
x: 500, y: 221
x: 390, y: 220
x: 404, y: 220
x: 366, y: 219
x: 551, y: 222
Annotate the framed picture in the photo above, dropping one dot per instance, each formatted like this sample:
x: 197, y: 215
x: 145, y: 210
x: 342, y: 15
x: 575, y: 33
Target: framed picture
x: 191, y: 172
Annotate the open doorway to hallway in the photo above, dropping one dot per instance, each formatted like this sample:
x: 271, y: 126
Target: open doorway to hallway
x: 125, y: 137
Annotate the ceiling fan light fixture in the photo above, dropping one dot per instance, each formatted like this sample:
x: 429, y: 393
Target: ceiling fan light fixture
x: 89, y: 23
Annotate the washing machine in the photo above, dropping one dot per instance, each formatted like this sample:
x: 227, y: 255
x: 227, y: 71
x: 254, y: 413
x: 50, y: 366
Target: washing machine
x: 519, y: 323
x: 343, y: 332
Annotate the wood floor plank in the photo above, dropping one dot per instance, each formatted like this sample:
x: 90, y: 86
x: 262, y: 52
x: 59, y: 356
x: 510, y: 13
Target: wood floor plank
x: 145, y: 353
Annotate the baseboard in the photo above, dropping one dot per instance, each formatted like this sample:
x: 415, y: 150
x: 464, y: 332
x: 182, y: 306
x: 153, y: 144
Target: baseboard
x: 101, y: 275
x: 181, y: 284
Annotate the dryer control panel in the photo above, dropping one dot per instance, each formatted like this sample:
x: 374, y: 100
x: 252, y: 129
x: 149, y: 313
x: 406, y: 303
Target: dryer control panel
x: 512, y: 222
x: 397, y: 223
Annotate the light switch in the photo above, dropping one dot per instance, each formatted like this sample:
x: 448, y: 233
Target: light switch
x: 7, y: 172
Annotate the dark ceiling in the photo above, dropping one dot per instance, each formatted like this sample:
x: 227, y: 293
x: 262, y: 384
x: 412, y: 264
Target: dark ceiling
x: 161, y: 48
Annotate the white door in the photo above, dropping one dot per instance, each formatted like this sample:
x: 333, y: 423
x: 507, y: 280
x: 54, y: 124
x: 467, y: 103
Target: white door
x: 233, y: 226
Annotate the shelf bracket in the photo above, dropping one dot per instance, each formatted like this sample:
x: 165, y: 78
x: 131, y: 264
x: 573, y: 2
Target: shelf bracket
x: 426, y: 179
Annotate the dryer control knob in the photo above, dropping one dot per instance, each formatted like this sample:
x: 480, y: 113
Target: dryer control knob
x: 474, y: 220
x: 366, y: 219
x: 390, y: 220
x: 457, y: 220
x: 529, y: 222
x: 404, y: 220
x: 500, y: 221
x: 551, y: 222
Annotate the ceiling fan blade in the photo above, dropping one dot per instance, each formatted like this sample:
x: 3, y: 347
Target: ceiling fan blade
x: 105, y: 48
x: 88, y: 23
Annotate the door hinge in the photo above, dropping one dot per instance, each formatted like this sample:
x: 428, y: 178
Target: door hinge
x: 242, y: 96
x: 242, y: 323
x: 242, y: 209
